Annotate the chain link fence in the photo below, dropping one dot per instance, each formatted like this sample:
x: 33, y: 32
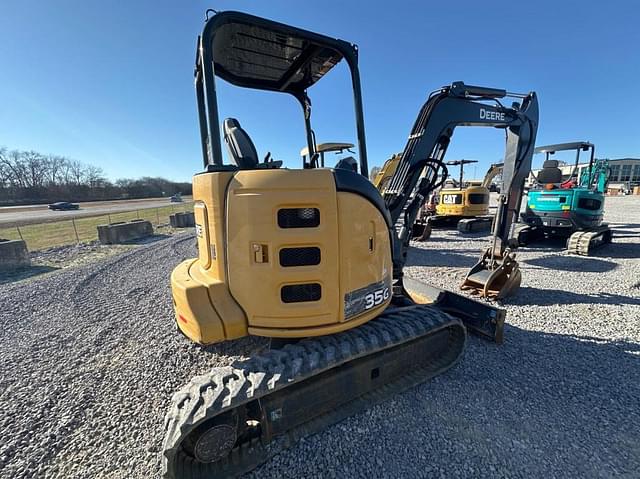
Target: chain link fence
x: 84, y: 229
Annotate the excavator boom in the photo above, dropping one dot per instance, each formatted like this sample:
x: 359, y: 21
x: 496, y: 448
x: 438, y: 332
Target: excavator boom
x: 417, y: 170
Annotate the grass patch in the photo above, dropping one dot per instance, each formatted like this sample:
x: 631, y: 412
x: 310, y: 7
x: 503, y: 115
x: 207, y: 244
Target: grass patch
x: 60, y: 233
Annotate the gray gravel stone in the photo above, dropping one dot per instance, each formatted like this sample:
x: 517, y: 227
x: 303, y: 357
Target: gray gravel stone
x: 90, y: 357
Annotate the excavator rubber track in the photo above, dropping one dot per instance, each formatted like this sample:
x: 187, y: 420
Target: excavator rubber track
x: 239, y: 416
x: 475, y: 225
x: 584, y: 242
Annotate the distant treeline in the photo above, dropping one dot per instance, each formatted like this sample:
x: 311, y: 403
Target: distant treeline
x: 31, y: 177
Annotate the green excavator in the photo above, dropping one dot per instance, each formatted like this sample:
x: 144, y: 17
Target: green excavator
x: 571, y: 208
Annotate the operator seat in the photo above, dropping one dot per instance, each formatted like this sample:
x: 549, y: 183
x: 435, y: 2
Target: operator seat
x: 348, y: 163
x: 550, y: 173
x: 241, y: 149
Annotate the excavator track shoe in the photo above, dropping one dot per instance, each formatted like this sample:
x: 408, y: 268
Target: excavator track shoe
x: 584, y: 242
x: 274, y: 399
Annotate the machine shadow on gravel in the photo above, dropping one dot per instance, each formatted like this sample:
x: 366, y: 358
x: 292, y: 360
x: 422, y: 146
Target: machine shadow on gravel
x: 573, y: 263
x: 546, y: 245
x: 594, y: 372
x: 547, y: 297
x: 617, y: 226
x: 149, y: 239
x: 240, y: 347
x: 7, y: 277
x: 457, y: 239
x: 621, y: 250
x: 433, y: 257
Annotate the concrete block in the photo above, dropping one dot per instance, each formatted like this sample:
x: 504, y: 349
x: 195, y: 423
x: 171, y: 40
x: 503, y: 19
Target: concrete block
x: 122, y: 232
x: 13, y: 255
x: 182, y: 220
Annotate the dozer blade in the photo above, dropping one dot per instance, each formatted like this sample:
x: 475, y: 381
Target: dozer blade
x: 495, y: 279
x: 479, y: 318
x: 227, y: 422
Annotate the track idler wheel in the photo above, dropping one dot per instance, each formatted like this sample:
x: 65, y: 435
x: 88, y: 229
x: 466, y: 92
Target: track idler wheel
x: 213, y: 440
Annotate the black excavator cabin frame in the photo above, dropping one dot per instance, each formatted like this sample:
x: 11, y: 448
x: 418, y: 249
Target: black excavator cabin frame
x: 261, y: 54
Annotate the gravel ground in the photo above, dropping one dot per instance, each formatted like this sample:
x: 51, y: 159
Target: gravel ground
x: 90, y: 358
x: 52, y: 259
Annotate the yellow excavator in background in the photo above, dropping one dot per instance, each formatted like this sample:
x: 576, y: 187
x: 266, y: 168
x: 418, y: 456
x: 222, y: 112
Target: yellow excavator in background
x: 313, y: 257
x: 382, y: 179
x: 464, y: 204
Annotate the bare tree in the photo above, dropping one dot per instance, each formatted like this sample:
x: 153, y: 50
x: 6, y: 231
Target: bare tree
x: 5, y: 171
x: 30, y: 176
x: 77, y: 172
x: 17, y: 169
x: 55, y: 169
x: 35, y: 168
x: 94, y: 176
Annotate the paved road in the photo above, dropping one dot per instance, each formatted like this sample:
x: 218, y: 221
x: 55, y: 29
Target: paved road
x: 29, y: 214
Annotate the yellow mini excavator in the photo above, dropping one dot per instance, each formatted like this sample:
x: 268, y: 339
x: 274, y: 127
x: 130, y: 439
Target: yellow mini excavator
x: 311, y: 257
x: 382, y: 179
x: 464, y: 204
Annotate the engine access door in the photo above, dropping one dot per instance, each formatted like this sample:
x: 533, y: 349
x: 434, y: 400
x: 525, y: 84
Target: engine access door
x: 282, y: 247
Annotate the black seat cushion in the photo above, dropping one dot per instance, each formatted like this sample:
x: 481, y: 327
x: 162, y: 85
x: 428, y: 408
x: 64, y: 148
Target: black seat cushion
x: 348, y: 163
x: 550, y: 173
x: 241, y: 149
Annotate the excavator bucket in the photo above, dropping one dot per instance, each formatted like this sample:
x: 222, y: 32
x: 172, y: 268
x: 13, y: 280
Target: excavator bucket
x: 493, y: 278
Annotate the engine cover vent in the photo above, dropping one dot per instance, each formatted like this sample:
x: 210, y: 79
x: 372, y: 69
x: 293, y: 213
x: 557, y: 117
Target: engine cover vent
x: 301, y: 293
x: 298, y: 217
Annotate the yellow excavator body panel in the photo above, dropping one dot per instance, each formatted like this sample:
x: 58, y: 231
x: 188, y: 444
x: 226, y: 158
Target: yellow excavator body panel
x: 282, y: 253
x: 468, y: 202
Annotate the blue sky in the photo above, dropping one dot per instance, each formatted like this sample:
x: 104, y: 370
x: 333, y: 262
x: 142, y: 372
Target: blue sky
x: 111, y: 83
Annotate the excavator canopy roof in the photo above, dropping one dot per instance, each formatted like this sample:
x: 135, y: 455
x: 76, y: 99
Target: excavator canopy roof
x: 258, y: 53
x: 324, y: 147
x: 577, y: 145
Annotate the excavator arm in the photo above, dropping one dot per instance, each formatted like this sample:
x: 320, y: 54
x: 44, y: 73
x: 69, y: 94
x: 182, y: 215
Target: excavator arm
x: 419, y: 165
x: 494, y: 170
